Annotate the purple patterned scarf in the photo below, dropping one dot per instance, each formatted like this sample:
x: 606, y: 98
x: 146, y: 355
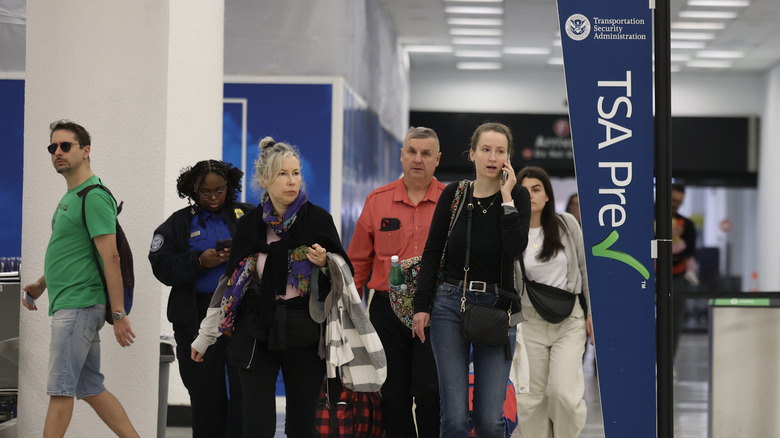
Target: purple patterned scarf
x: 298, y: 266
x: 234, y: 293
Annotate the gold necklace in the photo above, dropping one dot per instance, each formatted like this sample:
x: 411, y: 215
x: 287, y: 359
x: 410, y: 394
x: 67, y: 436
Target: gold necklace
x: 484, y: 210
x: 535, y: 243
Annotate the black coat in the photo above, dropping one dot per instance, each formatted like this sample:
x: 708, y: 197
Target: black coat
x: 174, y: 264
x: 259, y: 312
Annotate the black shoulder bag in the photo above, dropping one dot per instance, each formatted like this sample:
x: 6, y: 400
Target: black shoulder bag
x: 552, y: 303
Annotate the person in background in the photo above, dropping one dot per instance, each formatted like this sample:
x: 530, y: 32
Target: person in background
x: 189, y: 252
x: 278, y: 255
x: 77, y: 299
x: 573, y: 207
x: 684, y: 276
x: 555, y: 255
x: 499, y: 233
x: 395, y: 220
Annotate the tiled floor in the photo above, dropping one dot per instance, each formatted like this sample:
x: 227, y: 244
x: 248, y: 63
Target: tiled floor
x: 691, y: 392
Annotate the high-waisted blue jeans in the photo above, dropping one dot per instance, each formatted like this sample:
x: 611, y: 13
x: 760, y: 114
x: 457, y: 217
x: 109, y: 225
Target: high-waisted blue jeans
x: 491, y: 369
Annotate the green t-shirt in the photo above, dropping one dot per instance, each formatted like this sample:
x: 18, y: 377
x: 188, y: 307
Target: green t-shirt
x: 72, y: 278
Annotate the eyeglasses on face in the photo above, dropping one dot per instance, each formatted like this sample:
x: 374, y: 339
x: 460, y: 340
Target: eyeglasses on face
x: 65, y: 146
x: 209, y: 193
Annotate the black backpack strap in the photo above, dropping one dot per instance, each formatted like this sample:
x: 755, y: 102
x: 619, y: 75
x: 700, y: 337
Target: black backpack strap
x: 83, y: 194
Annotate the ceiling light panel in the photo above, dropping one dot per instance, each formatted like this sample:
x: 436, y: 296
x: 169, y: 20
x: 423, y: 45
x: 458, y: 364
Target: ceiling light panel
x: 719, y: 3
x: 721, y: 54
x: 698, y: 25
x: 477, y: 41
x: 476, y: 10
x: 680, y: 57
x: 477, y: 54
x: 421, y: 48
x: 526, y: 51
x: 479, y: 65
x: 463, y: 21
x: 687, y: 45
x: 473, y: 1
x: 703, y: 63
x: 476, y: 31
x: 693, y: 36
x: 709, y: 15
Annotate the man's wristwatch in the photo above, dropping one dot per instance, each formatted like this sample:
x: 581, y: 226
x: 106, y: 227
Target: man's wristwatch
x: 118, y: 315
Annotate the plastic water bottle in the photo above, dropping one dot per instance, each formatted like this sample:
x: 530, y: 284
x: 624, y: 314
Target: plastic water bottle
x: 396, y: 276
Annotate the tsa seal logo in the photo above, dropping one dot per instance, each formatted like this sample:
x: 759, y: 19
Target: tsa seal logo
x: 157, y: 242
x: 578, y: 27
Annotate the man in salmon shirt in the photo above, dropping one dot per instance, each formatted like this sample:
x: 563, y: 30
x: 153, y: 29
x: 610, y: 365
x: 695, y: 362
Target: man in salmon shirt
x: 395, y: 221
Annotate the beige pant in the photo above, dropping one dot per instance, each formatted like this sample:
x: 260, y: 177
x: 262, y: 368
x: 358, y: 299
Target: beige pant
x: 554, y: 406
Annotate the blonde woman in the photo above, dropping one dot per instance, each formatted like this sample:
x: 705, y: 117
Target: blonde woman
x: 278, y: 249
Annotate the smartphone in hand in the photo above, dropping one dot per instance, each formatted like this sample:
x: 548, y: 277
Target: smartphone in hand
x: 30, y: 300
x: 504, y: 176
x: 223, y: 244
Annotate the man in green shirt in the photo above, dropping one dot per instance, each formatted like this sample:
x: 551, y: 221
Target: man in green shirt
x: 77, y: 302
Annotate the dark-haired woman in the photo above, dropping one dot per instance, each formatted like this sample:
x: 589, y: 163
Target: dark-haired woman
x: 499, y: 229
x: 573, y: 206
x: 555, y: 255
x: 189, y: 252
x: 277, y: 265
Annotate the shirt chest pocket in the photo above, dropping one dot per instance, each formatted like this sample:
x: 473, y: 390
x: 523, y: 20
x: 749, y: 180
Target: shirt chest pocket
x: 198, y: 241
x: 388, y: 243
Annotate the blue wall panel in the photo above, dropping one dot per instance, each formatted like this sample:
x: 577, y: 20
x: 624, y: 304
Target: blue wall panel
x: 371, y: 159
x: 298, y: 114
x: 12, y: 127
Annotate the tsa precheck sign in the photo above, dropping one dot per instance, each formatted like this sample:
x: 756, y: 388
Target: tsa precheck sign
x: 607, y: 52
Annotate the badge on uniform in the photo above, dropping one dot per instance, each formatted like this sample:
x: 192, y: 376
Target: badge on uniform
x: 157, y: 242
x: 390, y: 224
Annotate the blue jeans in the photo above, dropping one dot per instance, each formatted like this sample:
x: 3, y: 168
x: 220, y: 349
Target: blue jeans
x: 74, y: 352
x: 491, y: 369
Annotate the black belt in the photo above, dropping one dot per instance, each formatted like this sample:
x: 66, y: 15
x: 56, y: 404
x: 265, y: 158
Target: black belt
x: 382, y: 293
x: 474, y: 286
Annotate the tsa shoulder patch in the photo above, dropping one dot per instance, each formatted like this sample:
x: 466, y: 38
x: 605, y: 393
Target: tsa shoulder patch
x: 157, y: 242
x: 239, y: 212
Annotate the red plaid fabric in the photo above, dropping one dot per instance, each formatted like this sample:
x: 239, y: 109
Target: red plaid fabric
x: 351, y: 415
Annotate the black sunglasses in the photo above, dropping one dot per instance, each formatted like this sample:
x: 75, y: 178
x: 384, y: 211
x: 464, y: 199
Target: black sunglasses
x: 65, y: 146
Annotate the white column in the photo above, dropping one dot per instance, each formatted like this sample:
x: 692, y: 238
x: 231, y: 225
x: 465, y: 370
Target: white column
x: 768, y: 207
x: 145, y: 79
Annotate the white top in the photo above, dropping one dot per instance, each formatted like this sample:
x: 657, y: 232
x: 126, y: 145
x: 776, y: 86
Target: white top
x: 551, y: 272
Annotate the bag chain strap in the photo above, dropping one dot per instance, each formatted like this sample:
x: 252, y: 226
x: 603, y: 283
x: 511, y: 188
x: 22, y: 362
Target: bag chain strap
x: 470, y: 207
x: 454, y: 210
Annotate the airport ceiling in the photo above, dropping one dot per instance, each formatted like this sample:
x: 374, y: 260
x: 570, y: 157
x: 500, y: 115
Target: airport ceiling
x: 524, y: 34
x: 707, y: 35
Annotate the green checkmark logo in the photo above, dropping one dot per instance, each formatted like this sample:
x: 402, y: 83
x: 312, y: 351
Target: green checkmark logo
x: 602, y: 250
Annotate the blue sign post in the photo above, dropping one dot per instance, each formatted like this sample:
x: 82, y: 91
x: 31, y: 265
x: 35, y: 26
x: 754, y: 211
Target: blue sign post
x: 607, y: 52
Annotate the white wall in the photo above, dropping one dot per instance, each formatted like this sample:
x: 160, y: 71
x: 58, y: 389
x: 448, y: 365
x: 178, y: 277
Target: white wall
x: 538, y: 91
x: 543, y: 91
x: 110, y: 67
x: 727, y: 94
x: 339, y: 38
x: 768, y: 206
x: 194, y: 125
